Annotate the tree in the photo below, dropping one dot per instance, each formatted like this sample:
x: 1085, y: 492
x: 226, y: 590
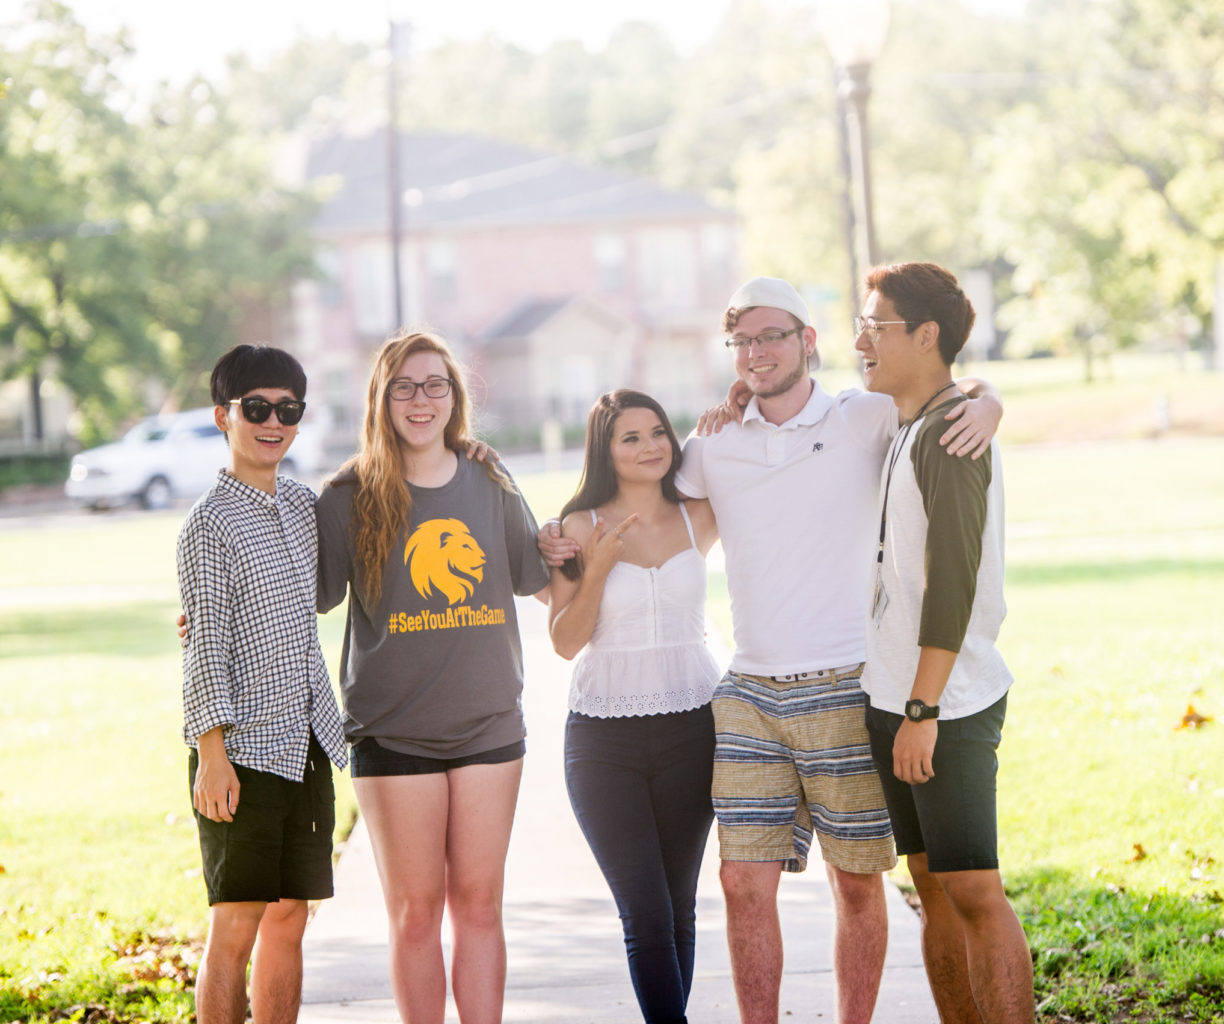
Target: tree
x: 70, y: 304
x: 313, y: 85
x: 132, y: 241
x: 1107, y: 188
x: 224, y: 240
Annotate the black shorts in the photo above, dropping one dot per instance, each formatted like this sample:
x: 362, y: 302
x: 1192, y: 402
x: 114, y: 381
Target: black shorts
x: 951, y: 817
x: 371, y: 758
x: 279, y: 845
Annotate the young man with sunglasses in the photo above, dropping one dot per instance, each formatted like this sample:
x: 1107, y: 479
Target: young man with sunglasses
x: 259, y: 712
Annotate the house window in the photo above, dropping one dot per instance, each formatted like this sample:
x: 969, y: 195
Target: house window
x: 441, y: 263
x: 337, y: 397
x: 373, y: 301
x: 717, y: 258
x: 610, y: 262
x: 667, y: 267
x: 329, y: 284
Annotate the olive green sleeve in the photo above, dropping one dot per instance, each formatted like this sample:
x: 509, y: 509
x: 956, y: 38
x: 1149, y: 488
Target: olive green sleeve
x: 953, y: 490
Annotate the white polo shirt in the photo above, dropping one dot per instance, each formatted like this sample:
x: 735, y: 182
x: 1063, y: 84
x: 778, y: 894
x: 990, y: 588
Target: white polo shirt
x: 796, y: 506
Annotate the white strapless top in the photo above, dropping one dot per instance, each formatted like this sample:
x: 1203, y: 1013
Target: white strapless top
x: 647, y: 654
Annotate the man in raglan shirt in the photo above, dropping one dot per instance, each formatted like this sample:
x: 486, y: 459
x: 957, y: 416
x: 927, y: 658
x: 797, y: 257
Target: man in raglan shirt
x: 937, y: 685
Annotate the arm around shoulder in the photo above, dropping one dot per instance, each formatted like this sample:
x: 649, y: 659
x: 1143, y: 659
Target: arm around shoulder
x: 573, y: 605
x: 705, y: 526
x: 333, y: 509
x: 690, y: 477
x: 974, y: 423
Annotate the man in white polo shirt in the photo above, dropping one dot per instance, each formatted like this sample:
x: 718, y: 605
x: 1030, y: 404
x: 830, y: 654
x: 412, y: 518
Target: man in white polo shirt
x: 794, y: 490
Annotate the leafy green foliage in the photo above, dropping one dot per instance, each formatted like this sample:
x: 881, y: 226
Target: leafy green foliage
x: 135, y: 241
x: 1098, y: 952
x: 32, y: 469
x: 1106, y: 182
x: 70, y: 300
x: 102, y: 907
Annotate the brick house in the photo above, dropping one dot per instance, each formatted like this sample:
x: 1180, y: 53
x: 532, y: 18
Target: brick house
x: 554, y: 280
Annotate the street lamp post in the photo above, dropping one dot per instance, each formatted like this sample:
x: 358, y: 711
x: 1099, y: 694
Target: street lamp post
x: 848, y: 219
x: 854, y: 31
x: 397, y: 46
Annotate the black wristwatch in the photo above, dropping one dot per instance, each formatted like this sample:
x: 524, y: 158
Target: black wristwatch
x: 918, y: 711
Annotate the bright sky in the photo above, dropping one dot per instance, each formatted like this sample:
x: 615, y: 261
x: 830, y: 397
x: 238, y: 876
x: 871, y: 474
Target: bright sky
x: 180, y: 36
x: 175, y: 38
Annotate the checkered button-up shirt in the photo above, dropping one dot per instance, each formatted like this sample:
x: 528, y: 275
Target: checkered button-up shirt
x: 247, y: 568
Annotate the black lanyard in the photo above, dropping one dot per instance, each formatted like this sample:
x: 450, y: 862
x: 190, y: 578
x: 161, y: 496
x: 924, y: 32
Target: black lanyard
x: 893, y: 455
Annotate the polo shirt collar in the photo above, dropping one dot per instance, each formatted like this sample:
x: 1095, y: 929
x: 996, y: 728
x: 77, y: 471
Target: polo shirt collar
x: 814, y: 410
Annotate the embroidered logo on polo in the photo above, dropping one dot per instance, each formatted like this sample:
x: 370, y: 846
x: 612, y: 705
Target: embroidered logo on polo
x: 444, y: 561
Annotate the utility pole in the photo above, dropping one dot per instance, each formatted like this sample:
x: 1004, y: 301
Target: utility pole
x: 397, y: 42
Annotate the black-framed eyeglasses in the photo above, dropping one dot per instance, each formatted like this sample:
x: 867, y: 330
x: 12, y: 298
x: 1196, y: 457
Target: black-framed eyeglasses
x: 872, y: 326
x: 257, y: 410
x: 404, y: 390
x: 764, y: 338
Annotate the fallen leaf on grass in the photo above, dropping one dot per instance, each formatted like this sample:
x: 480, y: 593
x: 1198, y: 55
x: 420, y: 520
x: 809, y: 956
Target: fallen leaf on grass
x: 86, y: 1013
x: 1198, y: 872
x: 1140, y: 852
x: 150, y: 958
x: 1192, y: 719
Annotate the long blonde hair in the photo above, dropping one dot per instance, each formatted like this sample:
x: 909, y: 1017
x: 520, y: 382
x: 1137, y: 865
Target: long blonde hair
x: 382, y: 504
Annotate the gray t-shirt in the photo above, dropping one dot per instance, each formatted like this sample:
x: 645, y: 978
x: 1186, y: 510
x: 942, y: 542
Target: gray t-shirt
x: 435, y: 668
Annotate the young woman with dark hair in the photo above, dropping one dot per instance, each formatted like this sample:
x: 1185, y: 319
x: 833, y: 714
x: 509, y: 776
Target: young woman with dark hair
x: 639, y: 741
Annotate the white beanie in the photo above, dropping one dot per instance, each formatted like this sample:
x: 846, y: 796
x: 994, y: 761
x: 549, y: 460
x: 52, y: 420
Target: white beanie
x: 776, y: 294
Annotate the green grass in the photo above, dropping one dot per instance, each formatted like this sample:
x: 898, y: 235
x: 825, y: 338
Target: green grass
x: 1110, y: 815
x: 1048, y: 400
x: 101, y: 900
x: 1115, y: 587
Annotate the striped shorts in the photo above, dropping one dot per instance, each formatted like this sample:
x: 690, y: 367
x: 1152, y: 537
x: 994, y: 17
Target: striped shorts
x: 793, y: 758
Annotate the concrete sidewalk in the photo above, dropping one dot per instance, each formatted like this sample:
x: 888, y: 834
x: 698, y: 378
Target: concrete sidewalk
x: 563, y: 936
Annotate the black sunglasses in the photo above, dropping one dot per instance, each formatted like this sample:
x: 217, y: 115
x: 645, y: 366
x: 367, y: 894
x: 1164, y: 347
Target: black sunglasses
x: 257, y: 410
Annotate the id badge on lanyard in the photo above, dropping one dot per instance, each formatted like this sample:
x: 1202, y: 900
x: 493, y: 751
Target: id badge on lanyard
x: 880, y: 600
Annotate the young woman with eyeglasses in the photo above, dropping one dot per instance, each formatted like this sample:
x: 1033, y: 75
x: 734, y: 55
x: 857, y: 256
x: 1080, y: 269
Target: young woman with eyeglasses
x: 639, y: 741
x: 431, y: 549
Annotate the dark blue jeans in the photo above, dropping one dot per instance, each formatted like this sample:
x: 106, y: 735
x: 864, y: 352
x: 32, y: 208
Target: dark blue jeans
x: 640, y: 788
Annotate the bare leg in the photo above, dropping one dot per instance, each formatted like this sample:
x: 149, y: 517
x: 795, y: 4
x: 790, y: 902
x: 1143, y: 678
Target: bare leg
x: 482, y: 802
x: 220, y: 990
x: 860, y: 939
x: 276, y: 971
x: 407, y: 819
x: 1000, y: 965
x: 943, y: 948
x: 754, y: 936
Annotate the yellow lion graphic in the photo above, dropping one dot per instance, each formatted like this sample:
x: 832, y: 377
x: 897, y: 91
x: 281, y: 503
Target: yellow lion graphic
x: 440, y: 550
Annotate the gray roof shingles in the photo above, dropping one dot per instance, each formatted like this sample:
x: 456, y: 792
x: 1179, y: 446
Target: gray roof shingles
x: 473, y: 180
